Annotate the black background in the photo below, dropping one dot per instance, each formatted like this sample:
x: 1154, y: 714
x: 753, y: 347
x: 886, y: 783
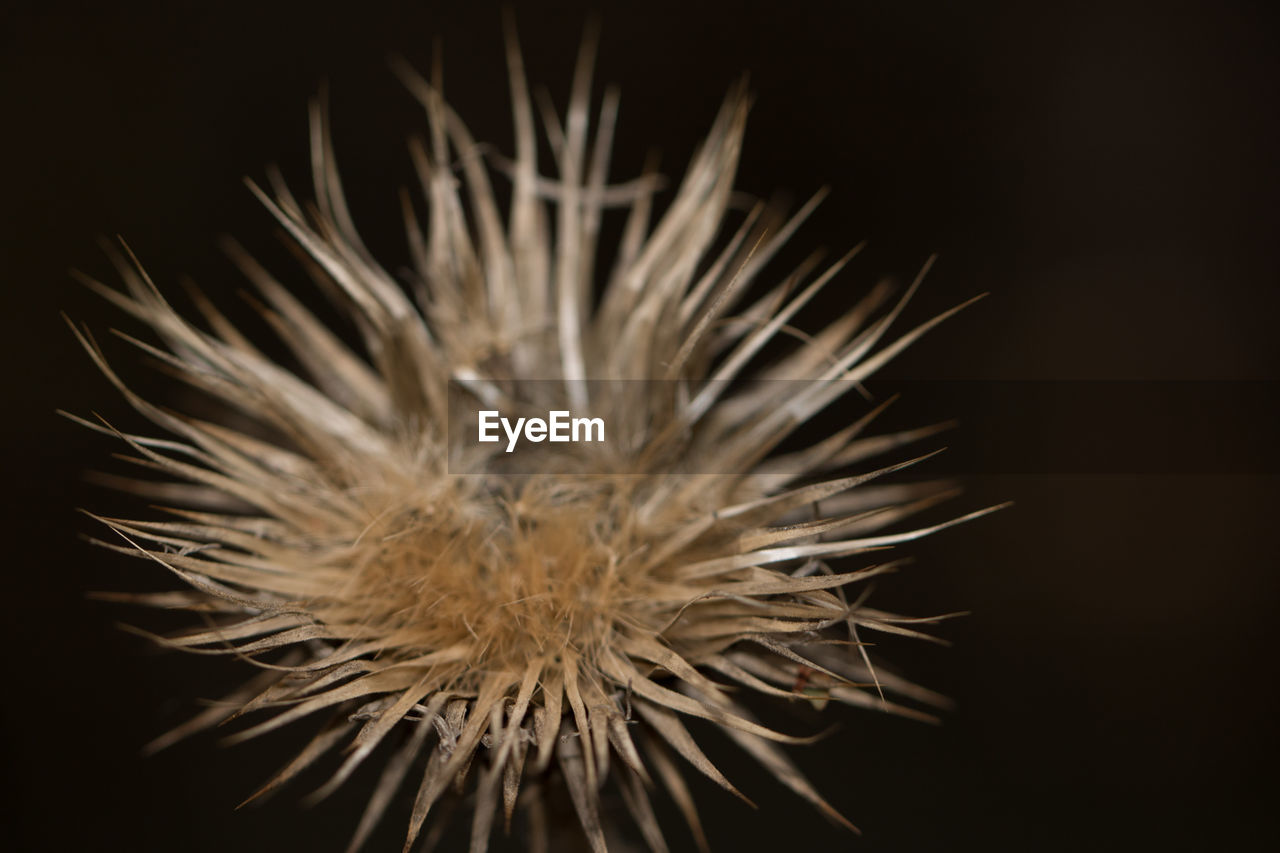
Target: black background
x: 1107, y: 171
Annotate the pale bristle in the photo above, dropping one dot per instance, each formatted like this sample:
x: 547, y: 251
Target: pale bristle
x: 554, y: 622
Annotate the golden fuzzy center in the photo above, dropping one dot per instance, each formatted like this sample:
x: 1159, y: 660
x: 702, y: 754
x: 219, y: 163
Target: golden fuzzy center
x: 506, y: 585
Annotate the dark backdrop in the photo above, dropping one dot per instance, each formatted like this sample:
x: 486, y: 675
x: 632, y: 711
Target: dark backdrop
x: 1106, y: 170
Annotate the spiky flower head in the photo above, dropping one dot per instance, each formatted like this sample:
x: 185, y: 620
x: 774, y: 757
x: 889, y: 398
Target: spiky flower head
x: 551, y: 615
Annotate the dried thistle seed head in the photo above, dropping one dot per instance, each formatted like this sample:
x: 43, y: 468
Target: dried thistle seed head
x: 548, y: 616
